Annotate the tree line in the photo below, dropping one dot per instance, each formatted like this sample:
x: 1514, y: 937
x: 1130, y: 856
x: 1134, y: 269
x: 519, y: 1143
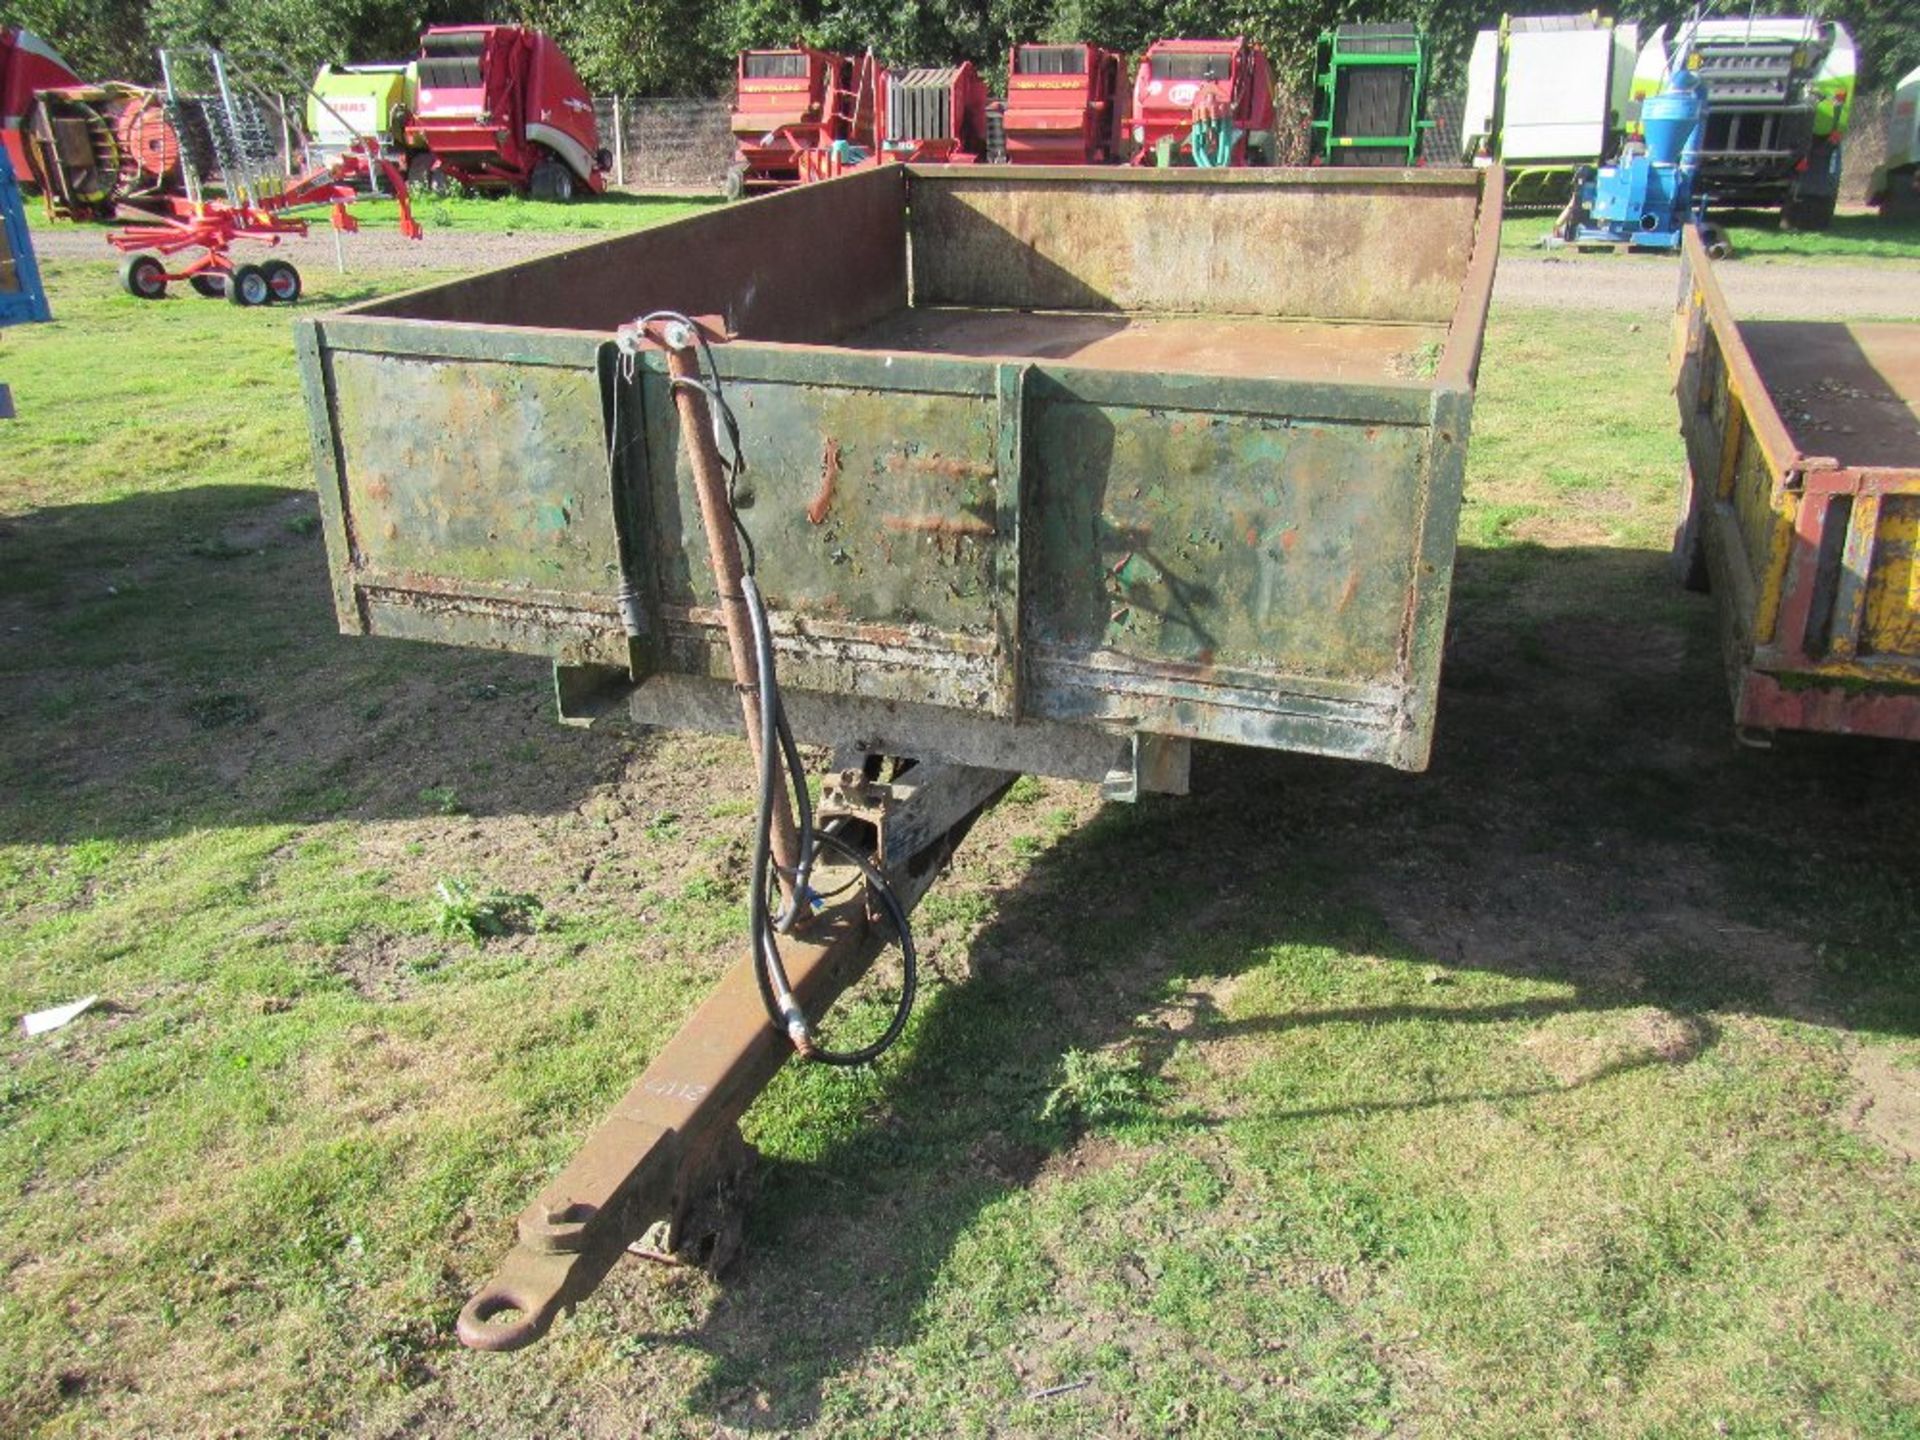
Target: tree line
x: 686, y: 47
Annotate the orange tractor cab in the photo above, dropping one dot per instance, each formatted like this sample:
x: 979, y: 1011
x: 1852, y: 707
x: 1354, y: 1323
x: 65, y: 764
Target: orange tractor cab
x: 1204, y: 102
x: 500, y: 108
x: 795, y: 112
x: 1065, y: 105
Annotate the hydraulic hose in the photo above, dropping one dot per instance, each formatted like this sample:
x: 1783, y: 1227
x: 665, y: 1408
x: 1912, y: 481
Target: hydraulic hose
x: 777, y: 747
x: 776, y: 992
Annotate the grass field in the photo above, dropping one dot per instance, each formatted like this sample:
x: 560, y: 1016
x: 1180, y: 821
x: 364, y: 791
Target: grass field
x: 509, y: 213
x: 1853, y: 236
x: 1557, y: 1091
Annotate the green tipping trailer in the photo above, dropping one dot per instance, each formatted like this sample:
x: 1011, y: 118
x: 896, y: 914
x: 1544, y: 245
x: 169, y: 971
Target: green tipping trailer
x: 1052, y: 470
x: 1370, y: 95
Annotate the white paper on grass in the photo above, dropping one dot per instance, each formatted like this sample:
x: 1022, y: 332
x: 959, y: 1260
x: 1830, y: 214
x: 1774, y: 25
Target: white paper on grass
x: 41, y: 1021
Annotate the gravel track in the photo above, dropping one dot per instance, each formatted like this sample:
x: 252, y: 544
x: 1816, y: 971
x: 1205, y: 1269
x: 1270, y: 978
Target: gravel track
x: 1629, y: 284
x: 1756, y: 289
x: 368, y: 252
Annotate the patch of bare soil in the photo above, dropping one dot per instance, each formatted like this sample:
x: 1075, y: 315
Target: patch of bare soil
x: 1646, y: 1035
x: 1887, y: 1108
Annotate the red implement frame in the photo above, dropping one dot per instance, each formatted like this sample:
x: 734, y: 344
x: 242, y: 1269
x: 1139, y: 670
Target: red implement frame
x: 212, y: 226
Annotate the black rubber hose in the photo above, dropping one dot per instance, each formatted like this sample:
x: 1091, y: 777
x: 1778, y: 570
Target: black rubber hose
x: 777, y: 743
x: 776, y: 990
x: 782, y: 1010
x: 881, y: 890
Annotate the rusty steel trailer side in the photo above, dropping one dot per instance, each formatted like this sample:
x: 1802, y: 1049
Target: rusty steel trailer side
x: 1052, y: 472
x: 1811, y: 555
x: 1040, y: 562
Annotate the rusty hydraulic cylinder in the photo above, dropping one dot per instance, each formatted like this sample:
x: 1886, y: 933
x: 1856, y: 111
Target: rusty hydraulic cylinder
x: 723, y: 552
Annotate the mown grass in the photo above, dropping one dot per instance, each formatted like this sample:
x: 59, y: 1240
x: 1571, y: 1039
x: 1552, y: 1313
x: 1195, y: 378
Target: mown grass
x: 1513, y: 1099
x: 1853, y: 236
x: 509, y: 214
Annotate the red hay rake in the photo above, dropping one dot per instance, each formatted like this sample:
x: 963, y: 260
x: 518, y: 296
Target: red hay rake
x: 223, y: 130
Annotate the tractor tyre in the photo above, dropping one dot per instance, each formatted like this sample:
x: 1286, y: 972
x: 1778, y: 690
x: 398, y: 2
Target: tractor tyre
x: 1689, y: 558
x: 210, y: 283
x: 247, y: 287
x: 283, y: 282
x: 144, y: 277
x: 736, y: 183
x: 1807, y: 212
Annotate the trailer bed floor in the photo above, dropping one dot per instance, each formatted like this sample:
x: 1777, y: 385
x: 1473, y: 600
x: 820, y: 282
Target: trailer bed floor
x: 1850, y: 390
x: 1227, y: 345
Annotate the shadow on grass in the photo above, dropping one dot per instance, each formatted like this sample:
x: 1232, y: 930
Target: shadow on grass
x: 1588, y: 823
x: 171, y: 660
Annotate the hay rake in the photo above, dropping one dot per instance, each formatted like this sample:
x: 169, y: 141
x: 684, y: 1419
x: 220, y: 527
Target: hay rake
x: 224, y: 132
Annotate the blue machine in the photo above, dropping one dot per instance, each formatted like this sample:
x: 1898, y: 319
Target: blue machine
x: 1645, y: 199
x: 22, y: 297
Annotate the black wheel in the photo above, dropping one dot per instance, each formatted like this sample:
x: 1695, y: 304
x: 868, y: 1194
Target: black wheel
x: 551, y: 180
x: 425, y: 176
x: 283, y: 282
x: 1689, y: 558
x: 1807, y: 212
x: 736, y: 186
x: 248, y: 287
x: 210, y: 283
x: 144, y: 277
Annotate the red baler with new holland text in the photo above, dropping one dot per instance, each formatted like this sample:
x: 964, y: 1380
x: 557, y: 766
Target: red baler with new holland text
x: 1065, y: 105
x: 500, y: 108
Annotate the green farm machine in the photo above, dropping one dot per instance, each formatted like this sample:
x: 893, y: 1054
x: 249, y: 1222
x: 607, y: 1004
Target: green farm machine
x: 1370, y: 95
